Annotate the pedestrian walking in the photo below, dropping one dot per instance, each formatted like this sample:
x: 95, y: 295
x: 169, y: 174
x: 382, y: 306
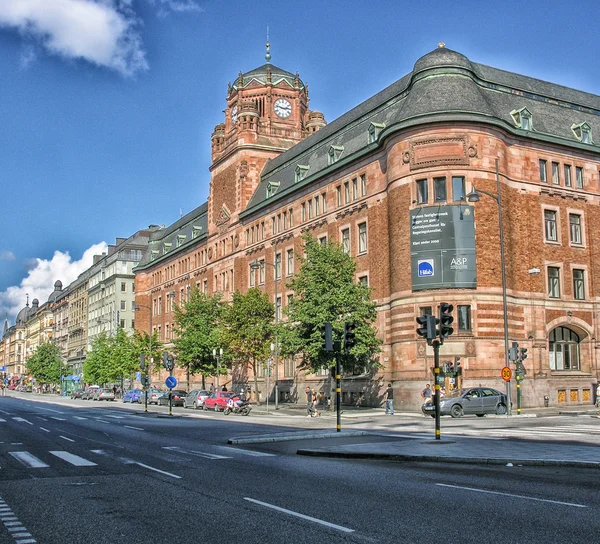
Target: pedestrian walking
x: 598, y: 396
x: 309, y: 401
x: 426, y: 394
x: 3, y: 387
x: 389, y: 400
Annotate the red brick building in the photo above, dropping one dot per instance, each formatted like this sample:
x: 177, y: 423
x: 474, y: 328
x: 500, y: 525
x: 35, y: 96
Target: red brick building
x: 389, y: 180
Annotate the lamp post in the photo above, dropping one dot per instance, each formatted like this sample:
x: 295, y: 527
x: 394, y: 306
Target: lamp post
x: 137, y: 308
x: 474, y: 196
x: 274, y: 347
x: 218, y: 355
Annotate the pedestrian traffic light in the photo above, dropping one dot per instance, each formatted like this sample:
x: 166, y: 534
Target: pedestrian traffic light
x: 522, y: 354
x: 327, y: 336
x: 349, y: 336
x: 446, y: 320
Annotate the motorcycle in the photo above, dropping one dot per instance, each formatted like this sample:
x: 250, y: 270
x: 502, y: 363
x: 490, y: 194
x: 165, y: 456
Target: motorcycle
x: 234, y: 405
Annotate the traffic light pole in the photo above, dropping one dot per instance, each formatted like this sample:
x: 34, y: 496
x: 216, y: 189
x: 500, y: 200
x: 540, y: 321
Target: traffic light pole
x: 518, y: 379
x: 436, y: 375
x: 338, y: 394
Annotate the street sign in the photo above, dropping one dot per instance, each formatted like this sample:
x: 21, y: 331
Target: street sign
x: 2, y: 369
x: 171, y: 382
x: 506, y: 374
x: 76, y: 378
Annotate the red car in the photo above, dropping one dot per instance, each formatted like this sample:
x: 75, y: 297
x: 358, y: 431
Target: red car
x: 217, y: 401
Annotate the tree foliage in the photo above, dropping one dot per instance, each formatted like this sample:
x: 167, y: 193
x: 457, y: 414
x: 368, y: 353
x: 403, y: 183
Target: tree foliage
x: 249, y: 330
x: 45, y: 363
x: 198, y: 325
x: 325, y: 291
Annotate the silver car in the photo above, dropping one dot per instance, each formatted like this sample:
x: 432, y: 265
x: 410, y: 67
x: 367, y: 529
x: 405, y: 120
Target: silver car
x: 195, y: 399
x: 103, y: 394
x: 477, y: 401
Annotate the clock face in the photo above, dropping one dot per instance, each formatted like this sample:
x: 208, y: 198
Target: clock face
x: 282, y: 108
x: 234, y: 114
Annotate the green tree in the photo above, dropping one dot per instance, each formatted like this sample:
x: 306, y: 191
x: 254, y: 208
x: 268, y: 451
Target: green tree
x: 151, y: 347
x: 249, y: 330
x: 45, y: 364
x: 97, y: 363
x: 325, y: 291
x: 198, y: 324
x: 123, y: 360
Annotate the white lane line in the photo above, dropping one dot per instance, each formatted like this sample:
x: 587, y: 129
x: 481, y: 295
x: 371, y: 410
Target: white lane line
x: 44, y: 429
x: 23, y: 420
x: 21, y: 535
x: 79, y: 417
x: 2, y: 420
x: 42, y: 418
x: 512, y: 495
x: 302, y: 516
x: 73, y: 459
x: 157, y: 470
x: 51, y: 410
x: 213, y: 456
x: 26, y: 541
x: 132, y: 427
x: 5, y: 413
x: 248, y: 452
x: 99, y: 452
x: 65, y: 438
x: 28, y: 460
x: 16, y: 443
x: 116, y: 417
x: 12, y: 523
x: 102, y: 421
x: 58, y: 418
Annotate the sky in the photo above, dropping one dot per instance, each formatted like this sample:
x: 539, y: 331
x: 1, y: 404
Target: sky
x: 107, y: 106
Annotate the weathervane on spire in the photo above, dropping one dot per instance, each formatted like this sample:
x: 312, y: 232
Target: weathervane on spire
x: 268, y: 53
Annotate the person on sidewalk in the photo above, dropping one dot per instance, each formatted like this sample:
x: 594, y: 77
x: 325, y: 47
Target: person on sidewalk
x: 426, y: 394
x: 309, y: 401
x: 598, y: 397
x: 389, y: 400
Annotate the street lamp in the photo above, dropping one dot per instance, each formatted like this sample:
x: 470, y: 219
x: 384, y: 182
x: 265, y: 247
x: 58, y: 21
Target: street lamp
x: 274, y: 348
x: 474, y: 196
x: 136, y: 308
x: 218, y: 356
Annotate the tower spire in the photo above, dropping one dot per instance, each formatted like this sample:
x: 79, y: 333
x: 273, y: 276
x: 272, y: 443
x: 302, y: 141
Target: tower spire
x: 268, y: 53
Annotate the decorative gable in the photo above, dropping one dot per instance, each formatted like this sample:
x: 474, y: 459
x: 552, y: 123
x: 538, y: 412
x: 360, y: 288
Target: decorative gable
x: 223, y: 217
x: 522, y: 118
x: 583, y: 132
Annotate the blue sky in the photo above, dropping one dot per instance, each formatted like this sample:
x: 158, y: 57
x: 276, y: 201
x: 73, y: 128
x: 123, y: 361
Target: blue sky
x: 107, y: 106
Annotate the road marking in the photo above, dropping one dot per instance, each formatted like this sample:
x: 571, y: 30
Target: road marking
x: 79, y: 417
x: 12, y: 523
x: 513, y: 495
x: 136, y: 428
x: 99, y: 452
x: 42, y: 418
x: 73, y: 459
x: 196, y: 453
x: 2, y: 420
x: 248, y: 452
x: 16, y: 443
x: 51, y: 410
x: 26, y: 541
x: 5, y: 413
x: 156, y: 470
x: 28, y: 460
x: 58, y: 418
x: 102, y: 421
x: 116, y: 417
x: 23, y: 420
x: 44, y: 429
x: 21, y: 535
x: 302, y: 516
x: 65, y: 438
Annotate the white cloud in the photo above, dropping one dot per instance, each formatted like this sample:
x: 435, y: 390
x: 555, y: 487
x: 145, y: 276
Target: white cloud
x: 177, y: 6
x: 39, y: 282
x: 7, y: 256
x: 103, y: 32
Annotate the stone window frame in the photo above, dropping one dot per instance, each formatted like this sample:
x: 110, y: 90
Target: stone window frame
x: 556, y: 211
x: 342, y: 229
x: 584, y: 280
x: 422, y: 191
x: 552, y: 293
x: 366, y: 238
x: 363, y: 275
x: 543, y: 167
x: 580, y: 213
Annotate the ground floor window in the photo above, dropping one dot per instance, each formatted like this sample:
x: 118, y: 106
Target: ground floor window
x: 564, y: 349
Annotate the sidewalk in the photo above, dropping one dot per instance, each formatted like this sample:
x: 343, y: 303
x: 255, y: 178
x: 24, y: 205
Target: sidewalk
x: 468, y: 450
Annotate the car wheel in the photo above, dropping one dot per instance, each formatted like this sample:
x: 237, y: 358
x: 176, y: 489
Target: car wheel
x: 501, y: 410
x: 456, y: 411
x: 216, y: 407
x: 479, y: 415
x: 195, y: 405
x: 204, y: 407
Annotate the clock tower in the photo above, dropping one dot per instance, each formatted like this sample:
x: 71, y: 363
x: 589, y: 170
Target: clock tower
x: 267, y: 113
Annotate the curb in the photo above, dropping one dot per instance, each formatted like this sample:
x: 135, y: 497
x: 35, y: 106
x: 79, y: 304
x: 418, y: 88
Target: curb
x: 285, y: 437
x: 407, y: 458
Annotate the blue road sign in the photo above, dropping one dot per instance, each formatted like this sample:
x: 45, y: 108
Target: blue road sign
x: 171, y: 382
x: 76, y: 378
x: 2, y: 369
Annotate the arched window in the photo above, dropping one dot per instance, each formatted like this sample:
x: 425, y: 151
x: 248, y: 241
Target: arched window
x: 564, y: 349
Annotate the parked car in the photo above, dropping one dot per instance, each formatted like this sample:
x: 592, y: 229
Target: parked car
x: 217, y: 401
x: 77, y: 393
x: 103, y: 394
x: 133, y: 395
x: 177, y: 398
x: 153, y: 395
x: 195, y: 398
x: 89, y: 392
x: 471, y: 401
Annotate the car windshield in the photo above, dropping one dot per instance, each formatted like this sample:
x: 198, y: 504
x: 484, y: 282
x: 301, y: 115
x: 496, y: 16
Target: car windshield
x: 455, y: 393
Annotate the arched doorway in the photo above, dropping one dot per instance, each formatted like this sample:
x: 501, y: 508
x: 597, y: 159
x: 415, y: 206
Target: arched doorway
x: 564, y: 349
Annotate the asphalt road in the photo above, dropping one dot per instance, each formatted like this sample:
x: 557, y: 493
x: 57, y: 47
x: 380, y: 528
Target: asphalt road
x: 87, y: 472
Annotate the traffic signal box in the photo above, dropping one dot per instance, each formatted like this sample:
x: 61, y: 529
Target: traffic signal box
x: 327, y: 336
x: 446, y: 320
x: 436, y: 328
x: 349, y: 336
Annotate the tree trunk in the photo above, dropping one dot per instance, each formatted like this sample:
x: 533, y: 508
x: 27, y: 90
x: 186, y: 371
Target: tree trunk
x: 256, y: 384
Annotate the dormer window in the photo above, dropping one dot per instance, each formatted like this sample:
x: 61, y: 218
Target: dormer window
x: 300, y: 173
x: 196, y: 230
x: 374, y: 131
x: 583, y: 132
x: 334, y: 153
x: 272, y: 187
x: 180, y: 239
x: 522, y: 118
x: 153, y: 254
x: 166, y: 247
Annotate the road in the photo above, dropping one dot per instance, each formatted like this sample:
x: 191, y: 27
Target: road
x: 80, y: 472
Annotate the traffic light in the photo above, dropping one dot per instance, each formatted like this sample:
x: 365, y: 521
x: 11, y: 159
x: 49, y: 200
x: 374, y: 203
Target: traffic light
x: 327, y: 336
x: 456, y: 365
x: 143, y: 361
x: 349, y: 336
x: 428, y: 327
x: 446, y: 320
x: 422, y: 328
x: 513, y: 353
x: 522, y: 354
x: 165, y: 362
